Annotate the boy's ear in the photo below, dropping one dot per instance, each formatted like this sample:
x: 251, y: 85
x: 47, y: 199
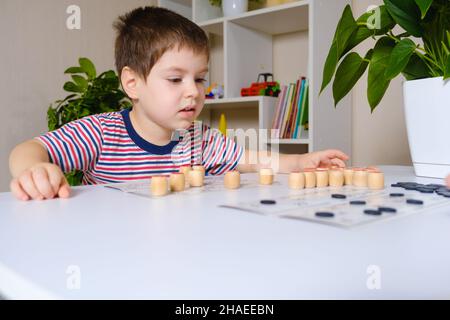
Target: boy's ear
x: 129, y: 80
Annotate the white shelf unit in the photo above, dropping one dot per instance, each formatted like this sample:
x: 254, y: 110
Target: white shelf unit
x: 242, y: 46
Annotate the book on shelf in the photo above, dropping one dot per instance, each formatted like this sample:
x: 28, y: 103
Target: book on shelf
x: 291, y: 110
x: 305, y: 107
x: 277, y: 111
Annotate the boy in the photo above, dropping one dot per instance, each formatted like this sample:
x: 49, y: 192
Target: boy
x: 162, y: 59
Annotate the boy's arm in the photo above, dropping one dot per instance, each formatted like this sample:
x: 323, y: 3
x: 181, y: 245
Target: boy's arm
x: 26, y: 155
x: 251, y: 160
x: 34, y: 177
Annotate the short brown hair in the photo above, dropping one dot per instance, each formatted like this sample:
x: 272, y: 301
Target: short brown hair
x: 146, y: 33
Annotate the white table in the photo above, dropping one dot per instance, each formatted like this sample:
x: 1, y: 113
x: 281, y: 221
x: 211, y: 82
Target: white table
x: 126, y: 246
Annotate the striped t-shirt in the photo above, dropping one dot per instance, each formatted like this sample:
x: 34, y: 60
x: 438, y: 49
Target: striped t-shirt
x: 108, y: 149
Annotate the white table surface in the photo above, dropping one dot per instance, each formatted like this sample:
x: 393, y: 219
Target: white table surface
x: 179, y: 247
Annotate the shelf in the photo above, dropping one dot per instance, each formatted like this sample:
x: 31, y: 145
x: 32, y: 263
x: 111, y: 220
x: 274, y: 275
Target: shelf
x: 304, y: 139
x: 288, y: 40
x: 238, y: 102
x: 275, y: 20
x: 187, y: 3
x: 288, y: 141
x: 214, y: 26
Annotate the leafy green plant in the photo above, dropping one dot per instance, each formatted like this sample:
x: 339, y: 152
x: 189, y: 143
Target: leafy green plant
x: 420, y: 50
x: 216, y: 3
x: 90, y: 94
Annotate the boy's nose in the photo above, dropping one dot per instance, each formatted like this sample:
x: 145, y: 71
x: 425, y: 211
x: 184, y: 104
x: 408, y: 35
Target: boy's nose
x: 192, y: 90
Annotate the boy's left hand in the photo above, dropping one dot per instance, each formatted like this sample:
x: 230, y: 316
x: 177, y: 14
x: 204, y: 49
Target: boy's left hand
x: 323, y: 158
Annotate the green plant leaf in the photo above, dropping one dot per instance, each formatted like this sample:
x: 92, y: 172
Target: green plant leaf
x: 377, y: 82
x: 88, y: 67
x: 348, y: 73
x: 344, y: 30
x: 416, y: 69
x: 363, y: 32
x: 407, y: 14
x: 80, y: 81
x: 399, y: 58
x: 447, y: 69
x: 72, y: 87
x: 74, y: 178
x: 424, y: 5
x: 74, y: 70
x: 52, y: 119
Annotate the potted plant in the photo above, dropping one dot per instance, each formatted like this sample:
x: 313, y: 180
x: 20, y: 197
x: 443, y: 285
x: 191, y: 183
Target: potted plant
x: 90, y: 94
x: 420, y: 52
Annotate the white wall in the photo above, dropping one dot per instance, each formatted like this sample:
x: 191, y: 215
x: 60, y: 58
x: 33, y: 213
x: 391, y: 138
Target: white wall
x: 35, y: 49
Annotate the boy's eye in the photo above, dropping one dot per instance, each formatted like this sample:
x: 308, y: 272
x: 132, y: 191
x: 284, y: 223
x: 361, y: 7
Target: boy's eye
x: 178, y: 80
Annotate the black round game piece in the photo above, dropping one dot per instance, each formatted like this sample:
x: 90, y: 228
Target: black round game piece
x: 338, y: 196
x: 324, y: 214
x: 396, y: 194
x: 408, y: 183
x: 425, y: 190
x: 372, y: 212
x: 445, y: 194
x: 387, y: 209
x: 434, y: 185
x: 396, y: 185
x: 268, y: 202
x: 414, y: 201
x: 410, y: 187
x: 430, y: 187
x: 358, y: 202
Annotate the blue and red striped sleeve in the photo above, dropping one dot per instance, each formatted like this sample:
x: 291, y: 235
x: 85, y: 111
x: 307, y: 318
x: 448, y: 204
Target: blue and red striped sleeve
x: 75, y: 145
x: 219, y: 153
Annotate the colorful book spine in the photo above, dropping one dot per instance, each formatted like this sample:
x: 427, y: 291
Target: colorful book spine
x: 299, y: 108
x: 286, y: 109
x: 293, y: 110
x: 293, y: 124
x: 275, y: 124
x: 304, y: 113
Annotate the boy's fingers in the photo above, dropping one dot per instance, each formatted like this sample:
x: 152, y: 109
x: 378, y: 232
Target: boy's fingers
x: 336, y: 154
x: 447, y: 181
x: 27, y: 183
x: 64, y: 190
x: 338, y: 162
x: 56, y: 179
x: 324, y: 162
x: 42, y: 183
x: 17, y: 190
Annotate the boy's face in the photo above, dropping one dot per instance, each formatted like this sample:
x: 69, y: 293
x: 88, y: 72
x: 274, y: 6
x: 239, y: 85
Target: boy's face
x: 174, y: 93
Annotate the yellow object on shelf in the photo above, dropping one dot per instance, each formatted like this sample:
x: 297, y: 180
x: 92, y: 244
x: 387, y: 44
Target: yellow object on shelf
x: 223, y: 124
x: 271, y: 3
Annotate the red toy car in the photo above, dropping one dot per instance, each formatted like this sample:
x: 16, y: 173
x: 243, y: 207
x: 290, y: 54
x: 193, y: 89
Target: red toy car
x: 265, y: 88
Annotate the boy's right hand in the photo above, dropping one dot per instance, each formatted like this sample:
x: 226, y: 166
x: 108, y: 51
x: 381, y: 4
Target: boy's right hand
x: 39, y: 182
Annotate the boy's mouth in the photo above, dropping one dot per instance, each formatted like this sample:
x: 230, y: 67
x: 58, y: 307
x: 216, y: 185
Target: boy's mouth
x: 188, y: 111
x: 188, y: 108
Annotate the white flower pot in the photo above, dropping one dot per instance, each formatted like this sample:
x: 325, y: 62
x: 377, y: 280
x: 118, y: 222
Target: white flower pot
x: 427, y: 112
x: 234, y: 7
